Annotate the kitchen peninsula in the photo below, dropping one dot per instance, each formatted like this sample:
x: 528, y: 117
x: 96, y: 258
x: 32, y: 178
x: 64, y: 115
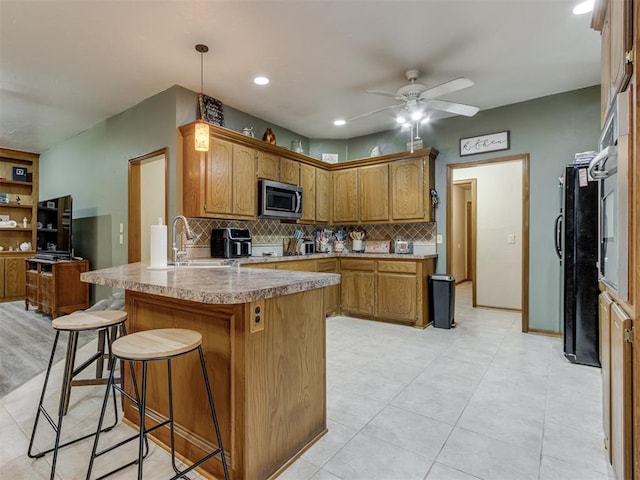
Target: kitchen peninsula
x: 264, y: 344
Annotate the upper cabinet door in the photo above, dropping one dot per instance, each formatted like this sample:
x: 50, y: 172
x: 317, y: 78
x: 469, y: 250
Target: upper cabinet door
x: 268, y: 166
x: 218, y: 177
x: 345, y: 195
x: 308, y: 184
x: 245, y: 190
x: 289, y: 171
x: 408, y: 190
x: 373, y: 183
x: 323, y: 196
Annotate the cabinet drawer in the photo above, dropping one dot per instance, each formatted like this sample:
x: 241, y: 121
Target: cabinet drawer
x: 299, y: 265
x: 353, y: 264
x: 397, y: 267
x: 327, y: 265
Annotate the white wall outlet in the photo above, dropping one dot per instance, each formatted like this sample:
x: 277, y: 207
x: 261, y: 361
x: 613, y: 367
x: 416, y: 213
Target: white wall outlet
x: 511, y: 238
x: 438, y: 238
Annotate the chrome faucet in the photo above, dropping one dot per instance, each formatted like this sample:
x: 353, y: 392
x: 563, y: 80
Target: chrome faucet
x: 179, y: 253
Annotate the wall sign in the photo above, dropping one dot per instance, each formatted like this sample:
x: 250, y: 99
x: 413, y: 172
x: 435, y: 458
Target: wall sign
x: 211, y: 110
x: 491, y: 142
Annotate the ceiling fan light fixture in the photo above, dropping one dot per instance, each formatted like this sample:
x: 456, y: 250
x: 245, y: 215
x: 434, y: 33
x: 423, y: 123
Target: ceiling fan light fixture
x: 416, y: 115
x: 201, y: 135
x: 339, y: 122
x: 583, y: 7
x: 261, y: 80
x: 401, y: 120
x: 424, y: 120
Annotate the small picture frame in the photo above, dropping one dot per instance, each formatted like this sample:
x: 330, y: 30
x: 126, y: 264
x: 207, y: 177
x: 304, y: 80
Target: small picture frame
x: 51, y: 204
x: 19, y: 174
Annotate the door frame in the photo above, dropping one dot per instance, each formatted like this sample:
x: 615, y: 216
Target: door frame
x: 471, y: 246
x: 524, y: 158
x: 134, y: 244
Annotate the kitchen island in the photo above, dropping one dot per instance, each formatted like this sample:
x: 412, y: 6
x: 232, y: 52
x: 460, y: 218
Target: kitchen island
x: 264, y: 344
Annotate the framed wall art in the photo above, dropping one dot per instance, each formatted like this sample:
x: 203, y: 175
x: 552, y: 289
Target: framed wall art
x: 490, y: 142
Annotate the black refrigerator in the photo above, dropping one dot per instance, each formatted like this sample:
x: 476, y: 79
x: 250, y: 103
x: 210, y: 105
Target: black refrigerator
x: 577, y: 247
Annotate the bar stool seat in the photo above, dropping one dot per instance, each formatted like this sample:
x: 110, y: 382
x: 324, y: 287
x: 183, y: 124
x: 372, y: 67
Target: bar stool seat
x: 101, y: 322
x: 156, y: 345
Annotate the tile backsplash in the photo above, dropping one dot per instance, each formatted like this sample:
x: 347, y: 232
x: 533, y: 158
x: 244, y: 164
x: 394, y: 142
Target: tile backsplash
x: 265, y: 231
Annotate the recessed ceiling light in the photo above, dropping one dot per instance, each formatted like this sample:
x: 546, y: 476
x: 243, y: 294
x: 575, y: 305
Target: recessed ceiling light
x: 584, y: 7
x: 261, y: 80
x: 339, y: 122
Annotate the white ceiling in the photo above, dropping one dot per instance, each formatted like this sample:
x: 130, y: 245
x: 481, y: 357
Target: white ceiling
x: 66, y: 65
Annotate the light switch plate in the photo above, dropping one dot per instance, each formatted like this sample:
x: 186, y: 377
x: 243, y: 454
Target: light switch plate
x: 511, y: 238
x: 438, y: 238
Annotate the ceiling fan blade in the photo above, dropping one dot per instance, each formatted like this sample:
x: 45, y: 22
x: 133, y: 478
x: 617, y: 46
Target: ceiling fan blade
x: 385, y: 93
x: 451, y: 107
x: 446, y: 87
x: 374, y: 111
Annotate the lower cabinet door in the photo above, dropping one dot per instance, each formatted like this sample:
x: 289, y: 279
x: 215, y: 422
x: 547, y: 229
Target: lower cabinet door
x: 15, y: 273
x: 358, y: 292
x: 621, y: 395
x: 397, y: 296
x: 604, y: 320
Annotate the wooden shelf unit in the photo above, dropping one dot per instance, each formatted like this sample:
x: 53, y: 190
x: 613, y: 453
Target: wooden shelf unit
x: 54, y: 287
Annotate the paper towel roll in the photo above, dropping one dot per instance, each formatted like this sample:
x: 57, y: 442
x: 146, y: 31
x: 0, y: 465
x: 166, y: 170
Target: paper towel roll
x: 158, y: 247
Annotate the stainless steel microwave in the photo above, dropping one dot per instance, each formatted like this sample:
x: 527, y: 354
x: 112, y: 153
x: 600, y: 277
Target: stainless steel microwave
x: 611, y: 168
x: 279, y: 200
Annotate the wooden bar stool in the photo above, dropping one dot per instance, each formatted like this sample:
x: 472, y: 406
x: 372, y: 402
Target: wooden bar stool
x: 144, y: 347
x: 100, y: 321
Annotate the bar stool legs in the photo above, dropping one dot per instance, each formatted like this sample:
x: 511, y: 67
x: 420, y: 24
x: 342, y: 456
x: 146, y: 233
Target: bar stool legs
x: 130, y: 352
x: 84, y: 323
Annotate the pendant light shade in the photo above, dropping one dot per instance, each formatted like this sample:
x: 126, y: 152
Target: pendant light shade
x: 202, y: 128
x: 202, y: 137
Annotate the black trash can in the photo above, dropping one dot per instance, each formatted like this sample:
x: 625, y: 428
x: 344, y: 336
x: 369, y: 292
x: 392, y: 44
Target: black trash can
x: 442, y: 289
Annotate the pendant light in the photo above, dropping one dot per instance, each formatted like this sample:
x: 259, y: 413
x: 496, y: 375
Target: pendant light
x: 202, y: 128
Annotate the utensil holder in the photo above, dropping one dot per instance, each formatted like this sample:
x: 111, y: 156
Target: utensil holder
x: 356, y: 246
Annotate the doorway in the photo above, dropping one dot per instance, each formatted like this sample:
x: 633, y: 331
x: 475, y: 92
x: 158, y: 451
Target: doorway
x: 147, y: 201
x: 488, y: 230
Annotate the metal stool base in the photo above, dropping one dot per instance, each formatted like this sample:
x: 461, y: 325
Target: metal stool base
x: 143, y: 446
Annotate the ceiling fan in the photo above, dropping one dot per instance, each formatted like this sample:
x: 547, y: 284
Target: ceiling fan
x: 417, y: 98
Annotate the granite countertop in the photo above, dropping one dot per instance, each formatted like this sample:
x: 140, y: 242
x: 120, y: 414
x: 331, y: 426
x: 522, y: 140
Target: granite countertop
x: 215, y: 285
x: 314, y: 256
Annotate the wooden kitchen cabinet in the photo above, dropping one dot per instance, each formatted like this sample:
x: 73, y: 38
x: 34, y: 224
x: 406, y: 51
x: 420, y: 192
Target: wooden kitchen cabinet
x: 604, y: 322
x: 218, y: 191
x: 54, y: 287
x: 308, y: 184
x: 12, y: 278
x: 410, y: 190
x: 358, y: 286
x: 621, y: 434
x: 345, y: 196
x: 397, y: 290
x: 373, y: 184
x: 297, y: 265
x: 245, y: 191
x: 219, y: 183
x: 289, y: 171
x: 331, y: 293
x: 268, y: 166
x: 323, y: 196
x: 614, y: 20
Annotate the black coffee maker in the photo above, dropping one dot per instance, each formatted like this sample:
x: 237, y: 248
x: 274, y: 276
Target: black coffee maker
x: 230, y: 242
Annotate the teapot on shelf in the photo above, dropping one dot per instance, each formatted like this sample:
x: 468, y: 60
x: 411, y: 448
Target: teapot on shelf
x: 25, y: 246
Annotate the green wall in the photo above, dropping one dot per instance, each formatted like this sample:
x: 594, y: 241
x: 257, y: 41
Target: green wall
x: 92, y: 166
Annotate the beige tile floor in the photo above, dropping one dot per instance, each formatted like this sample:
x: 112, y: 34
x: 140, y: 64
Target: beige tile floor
x: 481, y: 401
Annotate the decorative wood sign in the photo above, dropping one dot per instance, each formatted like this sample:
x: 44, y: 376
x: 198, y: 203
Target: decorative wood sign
x: 491, y: 142
x: 211, y: 110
